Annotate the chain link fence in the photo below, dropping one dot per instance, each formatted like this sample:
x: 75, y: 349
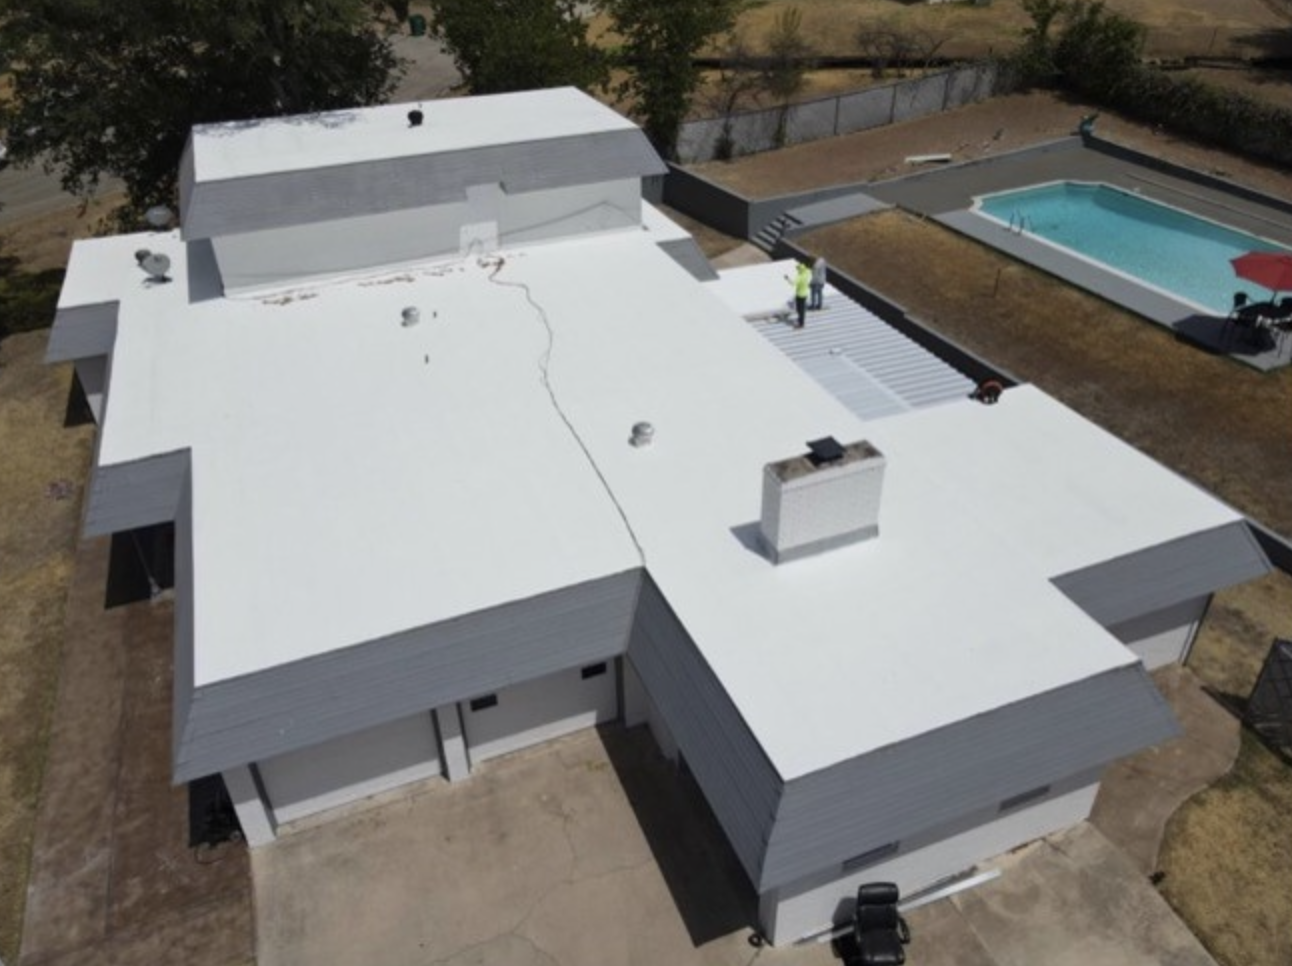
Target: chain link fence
x: 749, y: 132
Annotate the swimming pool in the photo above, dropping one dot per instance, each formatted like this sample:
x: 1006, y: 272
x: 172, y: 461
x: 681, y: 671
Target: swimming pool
x: 1164, y: 247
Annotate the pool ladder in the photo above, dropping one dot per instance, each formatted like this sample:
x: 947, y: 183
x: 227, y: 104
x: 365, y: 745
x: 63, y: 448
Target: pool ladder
x: 1019, y: 223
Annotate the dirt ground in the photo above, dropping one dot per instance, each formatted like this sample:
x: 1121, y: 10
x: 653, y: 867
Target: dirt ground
x: 994, y: 127
x: 40, y: 499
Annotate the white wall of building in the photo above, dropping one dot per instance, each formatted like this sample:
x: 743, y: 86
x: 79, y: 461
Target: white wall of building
x: 817, y: 906
x: 539, y: 710
x: 349, y: 768
x: 1164, y: 636
x: 93, y: 374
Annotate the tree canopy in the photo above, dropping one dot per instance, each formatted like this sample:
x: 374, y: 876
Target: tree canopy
x: 513, y: 45
x: 112, y: 87
x: 660, y: 39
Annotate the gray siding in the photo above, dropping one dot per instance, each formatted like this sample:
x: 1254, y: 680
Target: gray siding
x: 306, y: 702
x: 303, y: 197
x: 83, y: 331
x: 729, y: 765
x: 686, y: 252
x: 140, y: 493
x: 924, y: 787
x: 1149, y: 580
x: 184, y: 589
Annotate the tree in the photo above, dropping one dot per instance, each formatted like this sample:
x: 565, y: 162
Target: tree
x: 785, y: 72
x: 112, y: 87
x: 1099, y: 51
x: 739, y: 80
x: 515, y: 45
x: 660, y: 39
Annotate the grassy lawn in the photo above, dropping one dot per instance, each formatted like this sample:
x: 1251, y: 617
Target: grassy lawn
x: 40, y: 497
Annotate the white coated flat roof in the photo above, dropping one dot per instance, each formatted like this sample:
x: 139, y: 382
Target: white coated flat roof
x: 239, y: 149
x: 353, y: 478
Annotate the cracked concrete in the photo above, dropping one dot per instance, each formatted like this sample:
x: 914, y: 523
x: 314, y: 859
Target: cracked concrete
x: 589, y: 849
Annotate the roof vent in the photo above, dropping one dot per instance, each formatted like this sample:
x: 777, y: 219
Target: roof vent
x: 415, y: 118
x: 643, y: 434
x: 154, y: 263
x: 827, y: 497
x: 410, y: 316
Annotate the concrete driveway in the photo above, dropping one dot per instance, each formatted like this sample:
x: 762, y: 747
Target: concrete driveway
x: 592, y: 850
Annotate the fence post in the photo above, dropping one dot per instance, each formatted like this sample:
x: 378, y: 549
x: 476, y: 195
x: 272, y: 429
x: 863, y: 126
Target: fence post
x: 837, y: 99
x: 892, y: 106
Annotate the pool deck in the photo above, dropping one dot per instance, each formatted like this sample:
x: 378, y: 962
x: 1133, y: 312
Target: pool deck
x: 946, y: 195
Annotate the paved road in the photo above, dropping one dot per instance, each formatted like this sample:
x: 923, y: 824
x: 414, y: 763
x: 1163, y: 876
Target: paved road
x: 29, y: 192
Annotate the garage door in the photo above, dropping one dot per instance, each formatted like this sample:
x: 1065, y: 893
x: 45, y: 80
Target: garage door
x: 538, y: 710
x: 350, y: 768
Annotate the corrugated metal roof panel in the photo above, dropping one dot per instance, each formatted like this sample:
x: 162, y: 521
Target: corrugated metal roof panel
x: 862, y: 361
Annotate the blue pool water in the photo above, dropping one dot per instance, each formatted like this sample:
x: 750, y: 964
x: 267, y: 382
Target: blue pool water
x: 1163, y: 246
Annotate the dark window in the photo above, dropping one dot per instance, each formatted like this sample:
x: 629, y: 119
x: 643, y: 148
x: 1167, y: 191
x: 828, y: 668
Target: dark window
x: 594, y: 670
x: 870, y: 857
x: 480, y: 704
x: 1025, y: 798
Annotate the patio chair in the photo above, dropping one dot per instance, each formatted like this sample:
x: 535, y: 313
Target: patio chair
x: 879, y: 930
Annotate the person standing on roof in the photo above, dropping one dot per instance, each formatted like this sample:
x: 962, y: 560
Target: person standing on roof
x: 818, y: 284
x: 802, y: 282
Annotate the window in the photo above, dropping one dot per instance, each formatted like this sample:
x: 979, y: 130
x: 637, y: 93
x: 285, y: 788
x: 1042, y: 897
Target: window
x: 593, y: 670
x: 1024, y: 798
x: 870, y: 857
x: 488, y: 701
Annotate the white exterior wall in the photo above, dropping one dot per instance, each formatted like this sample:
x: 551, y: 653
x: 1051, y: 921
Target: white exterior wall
x: 264, y: 260
x: 93, y: 374
x: 1165, y: 636
x: 349, y: 768
x: 539, y: 710
x: 817, y: 907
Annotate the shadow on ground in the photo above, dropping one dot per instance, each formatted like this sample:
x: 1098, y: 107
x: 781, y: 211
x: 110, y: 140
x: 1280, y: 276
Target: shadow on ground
x: 703, y: 875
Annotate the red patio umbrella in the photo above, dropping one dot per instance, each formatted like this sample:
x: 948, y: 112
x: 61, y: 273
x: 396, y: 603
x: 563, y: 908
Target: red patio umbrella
x: 1270, y: 269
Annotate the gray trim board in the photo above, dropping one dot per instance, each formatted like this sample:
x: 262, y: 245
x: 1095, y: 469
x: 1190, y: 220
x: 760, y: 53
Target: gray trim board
x: 935, y: 779
x: 140, y: 493
x: 736, y: 776
x: 82, y: 332
x: 302, y: 197
x: 1149, y: 580
x: 686, y: 252
x: 305, y: 702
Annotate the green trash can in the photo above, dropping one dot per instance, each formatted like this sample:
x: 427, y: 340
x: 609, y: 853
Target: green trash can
x: 417, y: 25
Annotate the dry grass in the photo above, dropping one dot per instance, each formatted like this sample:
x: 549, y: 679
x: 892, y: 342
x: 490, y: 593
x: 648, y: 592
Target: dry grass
x: 40, y: 494
x: 1235, y: 28
x: 1222, y: 425
x: 1228, y: 861
x: 1226, y: 854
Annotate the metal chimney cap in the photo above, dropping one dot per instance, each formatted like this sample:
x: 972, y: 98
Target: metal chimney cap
x: 643, y: 434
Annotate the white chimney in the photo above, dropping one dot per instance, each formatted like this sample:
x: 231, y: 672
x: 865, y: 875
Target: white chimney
x: 825, y: 498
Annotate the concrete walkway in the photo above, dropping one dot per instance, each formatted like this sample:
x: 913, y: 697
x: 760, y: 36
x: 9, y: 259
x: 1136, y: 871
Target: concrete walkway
x: 113, y: 880
x: 1073, y: 899
x: 1140, y: 794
